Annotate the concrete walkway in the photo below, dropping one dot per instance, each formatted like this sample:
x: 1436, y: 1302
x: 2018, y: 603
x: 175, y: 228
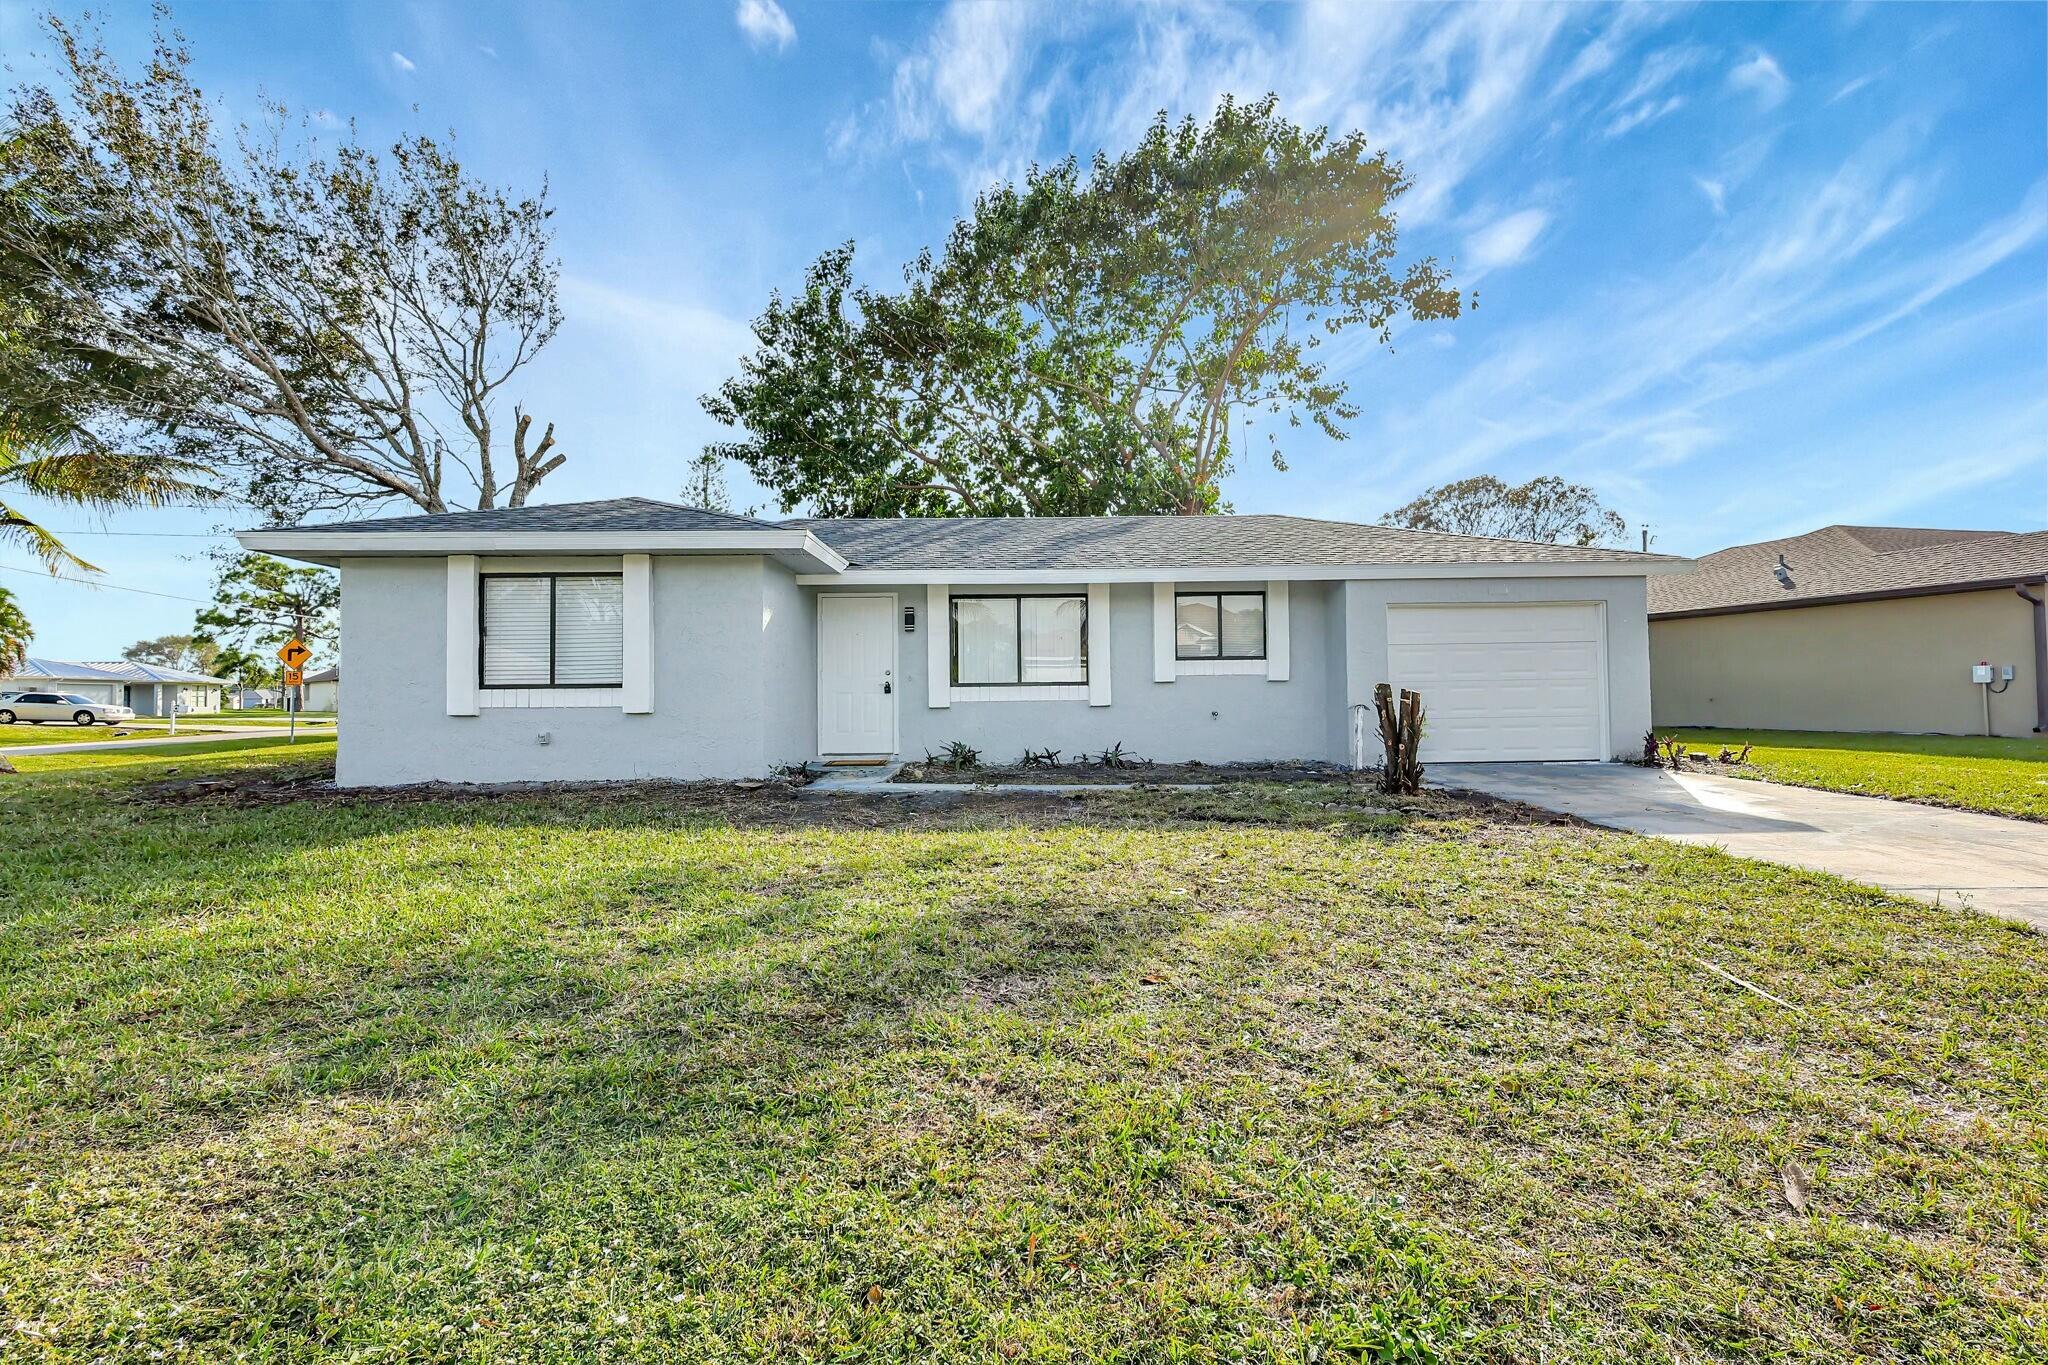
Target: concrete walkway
x: 84, y: 746
x: 1949, y: 857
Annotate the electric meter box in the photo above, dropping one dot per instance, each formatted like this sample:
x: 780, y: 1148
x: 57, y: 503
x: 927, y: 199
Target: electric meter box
x: 1980, y: 673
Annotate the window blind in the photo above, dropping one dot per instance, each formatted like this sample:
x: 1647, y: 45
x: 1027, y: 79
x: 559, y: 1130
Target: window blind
x: 590, y: 631
x: 516, y: 632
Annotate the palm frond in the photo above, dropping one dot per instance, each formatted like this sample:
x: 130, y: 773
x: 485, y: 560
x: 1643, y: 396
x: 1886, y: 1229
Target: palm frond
x: 106, y: 481
x: 17, y: 528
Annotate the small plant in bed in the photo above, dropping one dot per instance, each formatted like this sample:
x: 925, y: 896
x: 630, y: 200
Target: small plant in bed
x: 957, y: 756
x: 1040, y: 758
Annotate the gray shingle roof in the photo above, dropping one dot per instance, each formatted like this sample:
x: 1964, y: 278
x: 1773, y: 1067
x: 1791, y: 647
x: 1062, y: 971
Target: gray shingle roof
x: 1850, y: 561
x: 926, y: 544
x: 612, y: 514
x: 1081, y: 543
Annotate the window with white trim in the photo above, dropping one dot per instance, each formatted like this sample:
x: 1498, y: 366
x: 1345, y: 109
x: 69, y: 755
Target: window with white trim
x: 1010, y: 640
x: 1219, y: 625
x: 552, y: 630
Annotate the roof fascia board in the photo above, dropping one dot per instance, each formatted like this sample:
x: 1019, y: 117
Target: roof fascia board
x: 1248, y: 572
x: 799, y: 548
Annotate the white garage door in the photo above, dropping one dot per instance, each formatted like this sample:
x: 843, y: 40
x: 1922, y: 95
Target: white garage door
x: 1503, y: 683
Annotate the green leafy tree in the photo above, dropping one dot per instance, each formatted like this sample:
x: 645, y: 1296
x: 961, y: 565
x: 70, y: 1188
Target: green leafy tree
x: 261, y: 602
x: 325, y: 330
x: 704, y: 486
x: 196, y: 653
x: 1084, y: 341
x: 15, y: 634
x: 1544, y: 509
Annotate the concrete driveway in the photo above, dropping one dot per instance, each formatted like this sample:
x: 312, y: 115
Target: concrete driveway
x: 1948, y: 857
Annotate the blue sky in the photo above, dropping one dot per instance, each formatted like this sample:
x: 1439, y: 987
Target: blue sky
x: 1747, y: 269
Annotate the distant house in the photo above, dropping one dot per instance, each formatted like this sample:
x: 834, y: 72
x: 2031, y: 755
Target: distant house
x: 1872, y: 628
x: 149, y: 688
x: 323, y: 689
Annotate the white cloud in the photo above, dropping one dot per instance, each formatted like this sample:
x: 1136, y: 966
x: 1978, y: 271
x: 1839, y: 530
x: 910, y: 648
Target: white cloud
x: 959, y: 77
x: 1716, y: 192
x: 1507, y: 241
x: 1762, y: 77
x: 402, y: 62
x: 765, y: 24
x: 488, y: 50
x: 1644, y: 101
x: 1851, y: 87
x: 1649, y: 111
x: 1441, y: 89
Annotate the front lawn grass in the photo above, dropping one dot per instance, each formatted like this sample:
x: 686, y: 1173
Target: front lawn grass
x: 1996, y: 776
x: 1270, y: 1073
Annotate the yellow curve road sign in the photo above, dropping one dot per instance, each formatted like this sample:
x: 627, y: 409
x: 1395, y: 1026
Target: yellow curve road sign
x: 294, y: 654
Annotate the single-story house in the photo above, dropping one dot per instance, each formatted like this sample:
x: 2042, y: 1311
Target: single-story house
x: 322, y: 689
x: 634, y: 638
x: 149, y: 689
x: 1872, y: 628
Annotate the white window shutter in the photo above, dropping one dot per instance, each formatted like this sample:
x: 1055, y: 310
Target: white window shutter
x: 637, y: 695
x: 462, y: 652
x: 1098, y: 645
x: 1162, y: 632
x: 938, y: 645
x: 1277, y: 649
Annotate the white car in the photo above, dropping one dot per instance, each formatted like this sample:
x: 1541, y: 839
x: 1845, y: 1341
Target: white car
x: 37, y: 707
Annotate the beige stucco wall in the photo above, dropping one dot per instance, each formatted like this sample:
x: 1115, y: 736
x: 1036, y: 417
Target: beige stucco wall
x: 1902, y: 664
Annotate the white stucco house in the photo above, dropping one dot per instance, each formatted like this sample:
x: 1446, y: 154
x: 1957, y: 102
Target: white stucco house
x: 639, y: 639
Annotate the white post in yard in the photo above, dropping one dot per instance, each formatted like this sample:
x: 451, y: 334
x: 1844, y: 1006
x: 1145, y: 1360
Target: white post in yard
x: 174, y: 705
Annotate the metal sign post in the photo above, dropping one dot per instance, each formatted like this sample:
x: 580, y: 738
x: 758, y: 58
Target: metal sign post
x: 293, y: 655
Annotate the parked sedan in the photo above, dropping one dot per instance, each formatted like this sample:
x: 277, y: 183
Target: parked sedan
x: 37, y: 707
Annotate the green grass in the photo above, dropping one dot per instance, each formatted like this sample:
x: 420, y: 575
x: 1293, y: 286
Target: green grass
x: 1270, y: 1074
x: 1997, y: 776
x: 266, y: 715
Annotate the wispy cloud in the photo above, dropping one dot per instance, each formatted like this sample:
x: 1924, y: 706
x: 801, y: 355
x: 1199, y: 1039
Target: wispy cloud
x: 1644, y: 101
x: 1761, y: 77
x: 1852, y: 86
x: 765, y: 24
x: 1716, y: 192
x: 957, y: 79
x: 1507, y: 241
x: 401, y: 61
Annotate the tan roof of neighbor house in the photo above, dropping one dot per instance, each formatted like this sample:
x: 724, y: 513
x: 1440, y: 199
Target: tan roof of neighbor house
x: 1846, y: 563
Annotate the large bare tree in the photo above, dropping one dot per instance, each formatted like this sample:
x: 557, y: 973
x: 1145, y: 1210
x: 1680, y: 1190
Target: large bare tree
x: 328, y: 329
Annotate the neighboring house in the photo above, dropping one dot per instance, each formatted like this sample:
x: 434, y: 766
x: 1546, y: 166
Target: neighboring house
x: 94, y: 682
x: 322, y: 689
x: 148, y: 688
x: 1873, y: 628
x: 152, y: 688
x: 633, y: 638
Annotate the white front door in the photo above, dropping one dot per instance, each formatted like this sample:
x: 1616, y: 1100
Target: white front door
x: 1503, y: 683
x: 856, y: 673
